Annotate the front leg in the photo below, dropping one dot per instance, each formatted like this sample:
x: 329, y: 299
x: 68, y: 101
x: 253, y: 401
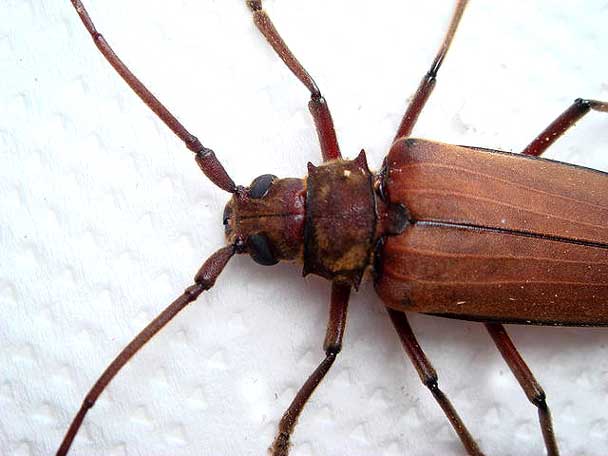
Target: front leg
x: 317, y: 104
x: 332, y: 345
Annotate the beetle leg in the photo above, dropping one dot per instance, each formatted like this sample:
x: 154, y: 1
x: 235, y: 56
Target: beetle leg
x: 332, y: 345
x: 559, y: 126
x: 204, y: 280
x: 429, y: 377
x: 317, y: 105
x: 526, y: 379
x: 430, y: 78
x: 205, y: 157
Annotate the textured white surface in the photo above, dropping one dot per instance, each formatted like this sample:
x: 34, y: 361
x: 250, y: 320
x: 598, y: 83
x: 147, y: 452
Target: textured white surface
x: 105, y: 218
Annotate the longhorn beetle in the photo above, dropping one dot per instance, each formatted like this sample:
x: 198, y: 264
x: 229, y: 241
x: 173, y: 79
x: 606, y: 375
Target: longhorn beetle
x: 397, y: 229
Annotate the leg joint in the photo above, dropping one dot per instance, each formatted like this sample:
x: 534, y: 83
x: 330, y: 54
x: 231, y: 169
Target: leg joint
x: 539, y: 399
x: 254, y: 5
x: 332, y: 349
x: 194, y: 145
x: 431, y: 74
x: 586, y: 104
x: 583, y: 103
x: 194, y: 291
x: 317, y: 97
x: 430, y: 381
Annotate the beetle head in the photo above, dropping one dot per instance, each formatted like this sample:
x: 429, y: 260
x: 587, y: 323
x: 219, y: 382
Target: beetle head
x: 266, y: 219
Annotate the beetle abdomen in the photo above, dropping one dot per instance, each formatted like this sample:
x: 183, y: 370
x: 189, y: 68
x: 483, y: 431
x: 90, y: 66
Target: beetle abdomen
x: 496, y: 236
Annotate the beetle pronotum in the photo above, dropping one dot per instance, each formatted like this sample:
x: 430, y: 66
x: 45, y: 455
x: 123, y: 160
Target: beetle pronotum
x: 319, y: 294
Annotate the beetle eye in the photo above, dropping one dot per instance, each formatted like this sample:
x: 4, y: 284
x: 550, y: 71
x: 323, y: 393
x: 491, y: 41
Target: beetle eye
x: 258, y: 246
x: 226, y: 218
x: 260, y: 185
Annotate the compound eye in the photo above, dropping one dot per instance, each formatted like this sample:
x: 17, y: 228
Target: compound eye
x: 226, y: 218
x: 260, y: 186
x: 258, y: 246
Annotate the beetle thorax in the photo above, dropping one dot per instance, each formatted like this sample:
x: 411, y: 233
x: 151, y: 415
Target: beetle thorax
x: 340, y: 230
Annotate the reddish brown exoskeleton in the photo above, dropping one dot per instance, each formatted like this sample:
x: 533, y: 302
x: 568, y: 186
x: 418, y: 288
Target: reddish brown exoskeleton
x: 456, y: 231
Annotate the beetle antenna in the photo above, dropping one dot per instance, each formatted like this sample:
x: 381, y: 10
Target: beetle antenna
x: 204, y: 156
x: 203, y: 280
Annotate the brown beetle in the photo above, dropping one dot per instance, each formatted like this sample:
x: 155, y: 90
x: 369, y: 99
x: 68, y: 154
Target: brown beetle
x: 322, y: 258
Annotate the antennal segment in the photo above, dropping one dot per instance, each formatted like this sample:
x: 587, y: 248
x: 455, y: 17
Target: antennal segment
x: 205, y: 157
x: 205, y: 279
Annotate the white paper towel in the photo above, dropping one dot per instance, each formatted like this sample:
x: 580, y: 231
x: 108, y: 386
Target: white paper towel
x: 105, y: 219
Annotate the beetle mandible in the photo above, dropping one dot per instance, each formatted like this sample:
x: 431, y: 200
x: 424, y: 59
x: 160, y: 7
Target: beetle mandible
x: 384, y: 221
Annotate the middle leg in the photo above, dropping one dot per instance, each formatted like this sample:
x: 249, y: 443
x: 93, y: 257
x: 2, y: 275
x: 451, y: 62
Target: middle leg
x: 332, y: 346
x: 317, y: 105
